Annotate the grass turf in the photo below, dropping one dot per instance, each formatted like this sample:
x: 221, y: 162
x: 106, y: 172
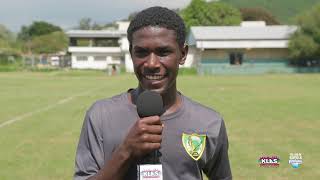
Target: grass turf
x: 273, y: 114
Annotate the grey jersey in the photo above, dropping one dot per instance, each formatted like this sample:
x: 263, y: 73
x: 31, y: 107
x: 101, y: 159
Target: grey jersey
x: 194, y: 139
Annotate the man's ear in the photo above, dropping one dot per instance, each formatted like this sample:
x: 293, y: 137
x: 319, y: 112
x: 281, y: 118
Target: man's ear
x: 184, y: 53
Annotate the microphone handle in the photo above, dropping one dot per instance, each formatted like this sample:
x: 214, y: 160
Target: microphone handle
x: 156, y: 157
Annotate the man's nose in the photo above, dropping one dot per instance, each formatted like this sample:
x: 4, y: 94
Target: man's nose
x: 152, y: 61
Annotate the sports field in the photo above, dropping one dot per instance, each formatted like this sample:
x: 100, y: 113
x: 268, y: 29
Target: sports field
x: 41, y: 116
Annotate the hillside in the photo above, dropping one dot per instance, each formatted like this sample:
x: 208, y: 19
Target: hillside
x: 283, y: 10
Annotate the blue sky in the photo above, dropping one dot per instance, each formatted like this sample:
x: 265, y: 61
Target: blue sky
x: 67, y: 13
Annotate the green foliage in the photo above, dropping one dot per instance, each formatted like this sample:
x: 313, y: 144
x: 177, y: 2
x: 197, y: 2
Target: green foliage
x: 132, y: 15
x: 37, y: 28
x: 96, y: 26
x: 305, y: 43
x: 258, y: 14
x: 302, y: 46
x: 10, y: 64
x: 6, y: 39
x: 84, y: 24
x: 284, y: 10
x: 4, y: 44
x: 6, y: 34
x: 9, y: 49
x: 201, y: 13
x: 49, y: 43
x: 88, y: 24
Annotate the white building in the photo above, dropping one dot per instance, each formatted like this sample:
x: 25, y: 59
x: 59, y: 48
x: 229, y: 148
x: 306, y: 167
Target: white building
x: 100, y: 49
x: 252, y: 47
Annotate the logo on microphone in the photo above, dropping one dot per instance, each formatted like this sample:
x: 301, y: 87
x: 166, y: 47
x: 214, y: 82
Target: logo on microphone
x: 150, y: 172
x: 154, y: 173
x: 194, y: 144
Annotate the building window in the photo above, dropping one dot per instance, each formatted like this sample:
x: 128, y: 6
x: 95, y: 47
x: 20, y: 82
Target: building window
x: 100, y: 58
x: 82, y: 58
x: 83, y: 42
x: 236, y: 58
x: 106, y: 42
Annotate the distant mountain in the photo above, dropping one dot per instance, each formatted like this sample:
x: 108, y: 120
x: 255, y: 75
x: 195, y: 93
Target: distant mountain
x: 283, y: 10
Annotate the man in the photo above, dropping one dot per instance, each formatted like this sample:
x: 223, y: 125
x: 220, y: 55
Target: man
x: 191, y: 138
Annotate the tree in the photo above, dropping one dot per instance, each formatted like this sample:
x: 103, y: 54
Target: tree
x: 201, y: 13
x: 304, y: 45
x: 37, y: 28
x: 132, y: 15
x: 258, y: 14
x: 87, y: 24
x: 49, y: 43
x: 84, y: 24
x: 7, y: 45
x: 6, y: 34
x: 96, y: 26
x: 5, y: 37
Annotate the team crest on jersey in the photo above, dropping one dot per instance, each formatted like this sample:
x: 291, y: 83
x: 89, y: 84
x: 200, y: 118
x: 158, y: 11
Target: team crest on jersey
x: 194, y: 144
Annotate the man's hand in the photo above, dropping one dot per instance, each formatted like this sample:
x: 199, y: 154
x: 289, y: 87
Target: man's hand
x: 144, y: 137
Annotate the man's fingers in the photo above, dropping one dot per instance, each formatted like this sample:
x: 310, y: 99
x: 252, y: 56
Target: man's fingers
x: 149, y: 129
x: 151, y: 125
x: 151, y: 120
x: 151, y: 146
x: 154, y: 129
x: 151, y: 138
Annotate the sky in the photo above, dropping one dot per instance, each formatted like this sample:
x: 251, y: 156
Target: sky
x: 67, y: 13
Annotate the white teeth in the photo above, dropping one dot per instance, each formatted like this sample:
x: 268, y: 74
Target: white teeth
x: 154, y: 77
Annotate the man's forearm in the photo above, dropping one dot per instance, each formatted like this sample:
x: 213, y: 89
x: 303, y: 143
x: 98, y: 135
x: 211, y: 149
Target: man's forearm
x: 116, y: 167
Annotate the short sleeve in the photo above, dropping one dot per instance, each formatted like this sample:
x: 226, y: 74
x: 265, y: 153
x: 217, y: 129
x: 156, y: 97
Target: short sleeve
x: 218, y: 167
x: 89, y: 155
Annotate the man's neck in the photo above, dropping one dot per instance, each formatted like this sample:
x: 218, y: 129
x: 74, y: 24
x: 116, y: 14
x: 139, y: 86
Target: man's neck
x: 171, y: 101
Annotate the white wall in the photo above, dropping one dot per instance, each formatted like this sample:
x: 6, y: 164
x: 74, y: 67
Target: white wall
x: 192, y: 58
x: 124, y: 44
x: 128, y: 63
x: 123, y: 25
x: 242, y: 44
x: 91, y: 63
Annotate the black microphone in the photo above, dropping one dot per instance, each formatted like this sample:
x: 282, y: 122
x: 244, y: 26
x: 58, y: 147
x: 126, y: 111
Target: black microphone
x: 149, y: 103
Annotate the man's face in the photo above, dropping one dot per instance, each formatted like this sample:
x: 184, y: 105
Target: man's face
x: 156, y: 56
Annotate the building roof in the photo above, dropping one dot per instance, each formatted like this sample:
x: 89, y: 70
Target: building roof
x: 241, y: 32
x: 96, y: 33
x: 249, y: 35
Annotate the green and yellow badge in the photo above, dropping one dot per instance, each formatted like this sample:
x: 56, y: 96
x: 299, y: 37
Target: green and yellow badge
x: 194, y: 144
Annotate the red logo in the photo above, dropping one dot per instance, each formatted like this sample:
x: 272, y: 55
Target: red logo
x: 269, y: 161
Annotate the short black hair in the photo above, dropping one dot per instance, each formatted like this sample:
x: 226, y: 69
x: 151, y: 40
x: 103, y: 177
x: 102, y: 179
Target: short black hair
x: 158, y: 16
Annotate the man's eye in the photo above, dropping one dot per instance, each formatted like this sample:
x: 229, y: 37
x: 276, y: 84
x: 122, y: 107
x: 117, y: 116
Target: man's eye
x: 163, y: 52
x: 141, y: 53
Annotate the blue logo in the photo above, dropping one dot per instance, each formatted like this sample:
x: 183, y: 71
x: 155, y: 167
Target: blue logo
x: 295, y: 159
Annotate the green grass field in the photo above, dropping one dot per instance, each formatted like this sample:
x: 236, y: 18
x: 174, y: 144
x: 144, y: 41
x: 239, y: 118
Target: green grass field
x: 41, y: 115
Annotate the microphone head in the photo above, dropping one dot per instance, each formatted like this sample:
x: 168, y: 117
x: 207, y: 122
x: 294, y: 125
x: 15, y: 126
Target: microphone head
x: 149, y: 103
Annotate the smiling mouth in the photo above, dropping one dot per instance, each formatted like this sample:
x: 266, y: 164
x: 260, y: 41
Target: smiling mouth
x: 154, y: 77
